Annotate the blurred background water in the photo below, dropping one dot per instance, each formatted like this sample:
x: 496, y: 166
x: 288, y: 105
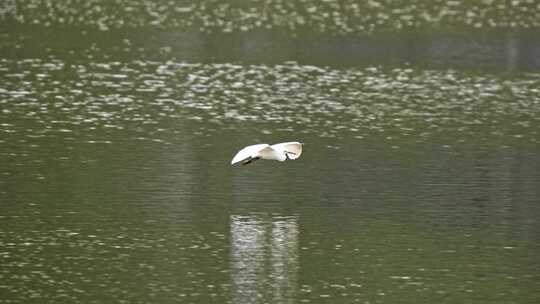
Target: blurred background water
x: 419, y: 181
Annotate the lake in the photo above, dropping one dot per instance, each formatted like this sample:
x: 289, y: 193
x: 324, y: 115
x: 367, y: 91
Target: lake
x: 419, y: 181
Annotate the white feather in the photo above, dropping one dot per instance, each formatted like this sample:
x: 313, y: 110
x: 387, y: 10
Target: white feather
x: 292, y: 149
x: 248, y: 152
x: 279, y: 152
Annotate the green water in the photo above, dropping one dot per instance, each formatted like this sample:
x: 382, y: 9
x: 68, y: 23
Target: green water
x: 419, y: 180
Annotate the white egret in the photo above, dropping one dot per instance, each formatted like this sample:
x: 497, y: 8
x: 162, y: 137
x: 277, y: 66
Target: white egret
x: 280, y: 152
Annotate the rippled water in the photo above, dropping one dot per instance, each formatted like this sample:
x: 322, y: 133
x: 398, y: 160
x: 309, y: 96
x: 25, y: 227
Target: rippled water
x: 415, y: 185
x: 140, y: 97
x: 419, y: 181
x: 336, y: 17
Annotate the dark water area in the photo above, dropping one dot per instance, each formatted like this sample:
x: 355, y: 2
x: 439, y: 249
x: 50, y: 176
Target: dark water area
x: 141, y: 221
x: 503, y: 50
x: 419, y: 180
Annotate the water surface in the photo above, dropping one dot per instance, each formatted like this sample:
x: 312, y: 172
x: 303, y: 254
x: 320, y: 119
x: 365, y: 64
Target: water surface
x: 419, y: 181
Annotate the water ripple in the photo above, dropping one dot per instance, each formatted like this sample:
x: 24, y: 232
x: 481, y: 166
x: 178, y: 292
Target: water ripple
x: 84, y: 99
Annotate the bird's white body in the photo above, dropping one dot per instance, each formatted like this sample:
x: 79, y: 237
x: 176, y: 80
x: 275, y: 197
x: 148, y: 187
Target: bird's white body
x: 280, y: 152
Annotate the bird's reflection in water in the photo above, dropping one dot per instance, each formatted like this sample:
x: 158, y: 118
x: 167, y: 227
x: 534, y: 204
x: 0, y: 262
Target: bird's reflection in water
x: 264, y: 257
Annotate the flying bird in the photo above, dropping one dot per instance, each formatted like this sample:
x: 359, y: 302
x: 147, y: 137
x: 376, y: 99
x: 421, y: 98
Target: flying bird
x: 281, y: 152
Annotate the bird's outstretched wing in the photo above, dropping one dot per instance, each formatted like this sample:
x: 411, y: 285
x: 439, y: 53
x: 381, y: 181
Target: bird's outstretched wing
x: 271, y: 153
x: 292, y: 149
x: 248, y: 152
